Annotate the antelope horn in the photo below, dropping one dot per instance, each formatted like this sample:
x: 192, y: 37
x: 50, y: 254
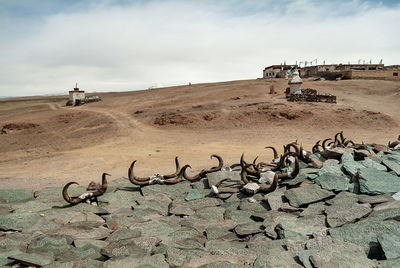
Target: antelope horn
x: 177, y: 169
x: 294, y: 173
x: 324, y: 143
x: 246, y: 166
x: 274, y: 150
x: 104, y: 185
x: 71, y: 200
x: 135, y: 180
x: 254, y: 161
x: 315, y: 147
x: 348, y: 142
x: 179, y: 176
x: 336, y: 138
x: 296, y: 148
x: 272, y: 187
x: 220, y: 164
x: 341, y: 136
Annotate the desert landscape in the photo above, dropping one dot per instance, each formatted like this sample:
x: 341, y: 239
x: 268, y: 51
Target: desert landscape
x: 45, y: 143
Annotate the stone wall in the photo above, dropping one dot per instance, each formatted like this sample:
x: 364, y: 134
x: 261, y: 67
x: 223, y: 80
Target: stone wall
x: 312, y: 98
x: 380, y: 75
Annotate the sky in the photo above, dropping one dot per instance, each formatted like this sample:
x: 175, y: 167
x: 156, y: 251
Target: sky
x: 47, y: 46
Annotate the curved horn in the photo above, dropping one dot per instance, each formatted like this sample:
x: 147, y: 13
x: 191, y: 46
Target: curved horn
x: 324, y: 143
x: 255, y: 160
x: 136, y: 180
x: 220, y: 163
x: 245, y: 166
x: 294, y: 173
x: 270, y: 188
x: 274, y: 150
x: 179, y: 177
x: 177, y: 169
x: 71, y: 200
x: 295, y: 147
x: 348, y: 142
x: 104, y: 185
x: 315, y: 147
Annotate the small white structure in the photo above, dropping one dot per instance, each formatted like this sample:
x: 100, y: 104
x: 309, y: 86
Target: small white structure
x: 295, y: 83
x: 76, y: 96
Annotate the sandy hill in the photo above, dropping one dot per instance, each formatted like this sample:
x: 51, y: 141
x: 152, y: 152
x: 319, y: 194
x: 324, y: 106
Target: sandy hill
x: 49, y: 144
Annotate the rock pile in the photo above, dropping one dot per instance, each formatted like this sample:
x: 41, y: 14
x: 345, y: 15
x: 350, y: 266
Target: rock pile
x: 341, y: 210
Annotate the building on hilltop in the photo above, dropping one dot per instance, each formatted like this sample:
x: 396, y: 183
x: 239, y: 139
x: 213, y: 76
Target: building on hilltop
x: 277, y: 71
x: 76, y: 96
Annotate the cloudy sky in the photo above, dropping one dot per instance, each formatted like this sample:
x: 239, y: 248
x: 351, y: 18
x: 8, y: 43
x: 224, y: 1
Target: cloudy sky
x: 48, y: 45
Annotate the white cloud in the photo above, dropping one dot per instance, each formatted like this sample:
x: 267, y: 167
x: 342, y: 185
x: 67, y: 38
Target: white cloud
x: 134, y: 46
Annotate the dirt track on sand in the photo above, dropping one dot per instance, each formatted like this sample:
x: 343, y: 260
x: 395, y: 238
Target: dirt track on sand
x: 49, y: 144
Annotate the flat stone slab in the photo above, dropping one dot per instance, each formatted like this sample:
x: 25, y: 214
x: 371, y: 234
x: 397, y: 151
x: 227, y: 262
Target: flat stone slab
x: 330, y: 181
x: 215, y: 177
x: 365, y: 233
x: 16, y: 195
x: 338, y: 215
x: 32, y: 259
x: 17, y: 221
x: 390, y: 245
x: 305, y: 195
x: 352, y: 167
x: 193, y: 194
x: 248, y: 228
x: 369, y: 163
x: 341, y: 254
x: 373, y: 181
x: 392, y: 165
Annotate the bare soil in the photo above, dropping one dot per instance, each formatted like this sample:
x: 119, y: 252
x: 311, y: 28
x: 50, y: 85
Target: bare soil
x: 46, y: 143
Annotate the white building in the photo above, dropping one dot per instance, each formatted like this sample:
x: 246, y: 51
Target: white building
x: 76, y: 96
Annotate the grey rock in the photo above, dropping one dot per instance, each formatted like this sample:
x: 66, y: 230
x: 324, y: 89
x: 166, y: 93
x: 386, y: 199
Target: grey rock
x: 375, y: 199
x: 301, y: 228
x: 373, y: 181
x: 340, y: 214
x: 341, y: 254
x: 158, y: 202
x: 193, y: 194
x: 238, y: 216
x: 319, y: 242
x: 88, y: 263
x: 396, y: 196
x: 258, y: 206
x: 365, y: 233
x: 154, y: 228
x: 305, y: 195
x: 394, y: 263
x: 32, y: 259
x: 123, y: 248
x: 304, y: 257
x: 4, y: 254
x: 17, y: 221
x: 330, y: 181
x: 369, y: 163
x: 157, y: 260
x: 316, y: 163
x: 392, y: 165
x: 215, y: 177
x: 314, y: 209
x: 337, y: 170
x: 123, y: 234
x: 331, y: 162
x: 353, y: 167
x: 345, y: 198
x: 276, y: 258
x: 248, y: 229
x: 181, y: 210
x: 203, y: 203
x: 390, y: 245
x: 176, y: 191
x: 215, y: 232
x: 55, y: 244
x: 215, y: 213
x: 16, y: 195
x: 347, y: 157
x: 178, y: 257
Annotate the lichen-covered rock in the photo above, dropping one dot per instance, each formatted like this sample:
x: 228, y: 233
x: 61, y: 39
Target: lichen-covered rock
x: 390, y: 245
x: 340, y: 214
x: 330, y: 181
x: 305, y: 195
x: 17, y: 221
x: 373, y: 181
x: 341, y: 254
x: 16, y: 195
